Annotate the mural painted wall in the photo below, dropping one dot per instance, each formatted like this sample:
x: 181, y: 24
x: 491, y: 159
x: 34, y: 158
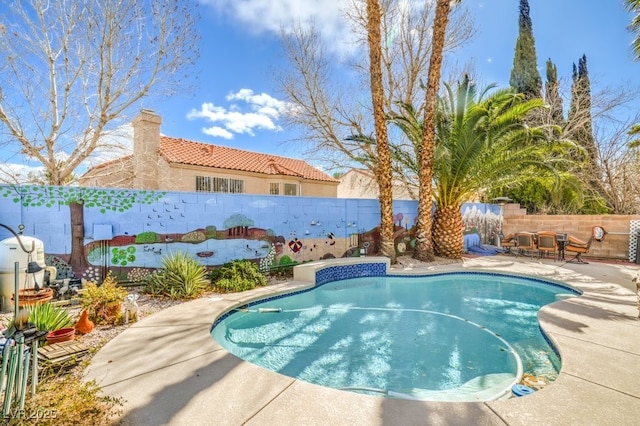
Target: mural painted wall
x: 86, y: 231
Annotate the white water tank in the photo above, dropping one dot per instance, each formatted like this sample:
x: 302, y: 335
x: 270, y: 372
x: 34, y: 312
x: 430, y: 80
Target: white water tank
x: 10, y: 253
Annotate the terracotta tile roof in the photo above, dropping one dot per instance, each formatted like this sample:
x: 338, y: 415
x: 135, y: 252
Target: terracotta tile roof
x: 176, y: 150
x: 106, y: 164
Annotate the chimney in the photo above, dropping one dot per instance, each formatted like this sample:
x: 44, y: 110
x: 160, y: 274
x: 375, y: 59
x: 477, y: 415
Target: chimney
x: 146, y: 146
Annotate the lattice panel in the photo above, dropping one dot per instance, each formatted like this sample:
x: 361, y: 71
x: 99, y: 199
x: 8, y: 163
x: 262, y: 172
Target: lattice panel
x: 634, y: 230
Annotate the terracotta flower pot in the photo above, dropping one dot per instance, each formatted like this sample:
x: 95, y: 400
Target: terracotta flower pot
x: 31, y: 296
x: 62, y: 335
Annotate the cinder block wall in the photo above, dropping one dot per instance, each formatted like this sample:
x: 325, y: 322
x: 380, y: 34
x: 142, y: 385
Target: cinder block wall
x: 614, y: 246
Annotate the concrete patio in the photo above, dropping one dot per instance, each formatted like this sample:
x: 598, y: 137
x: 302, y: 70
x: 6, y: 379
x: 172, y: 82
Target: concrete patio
x: 170, y: 371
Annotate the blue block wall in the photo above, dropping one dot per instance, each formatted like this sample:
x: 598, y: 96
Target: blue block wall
x: 311, y: 220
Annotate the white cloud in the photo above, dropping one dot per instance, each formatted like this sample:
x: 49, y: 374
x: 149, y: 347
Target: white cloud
x: 251, y: 112
x: 217, y: 132
x: 18, y: 173
x: 275, y: 15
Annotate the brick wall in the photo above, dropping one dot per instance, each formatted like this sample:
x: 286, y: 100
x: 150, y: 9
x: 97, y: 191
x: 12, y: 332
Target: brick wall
x: 614, y: 246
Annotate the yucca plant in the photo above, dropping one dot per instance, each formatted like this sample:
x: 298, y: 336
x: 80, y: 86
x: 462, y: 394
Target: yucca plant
x: 47, y: 317
x: 180, y: 277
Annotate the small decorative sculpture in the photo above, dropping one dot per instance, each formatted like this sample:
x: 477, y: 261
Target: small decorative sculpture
x: 130, y: 308
x: 84, y: 324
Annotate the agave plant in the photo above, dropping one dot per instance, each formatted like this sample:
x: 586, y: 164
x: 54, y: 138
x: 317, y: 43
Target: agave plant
x: 48, y: 317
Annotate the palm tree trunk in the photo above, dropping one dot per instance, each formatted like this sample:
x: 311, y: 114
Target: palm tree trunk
x: 383, y: 168
x: 424, y: 243
x: 447, y: 232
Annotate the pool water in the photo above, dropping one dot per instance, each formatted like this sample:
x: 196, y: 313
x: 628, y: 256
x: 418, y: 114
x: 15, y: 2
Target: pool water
x: 449, y: 337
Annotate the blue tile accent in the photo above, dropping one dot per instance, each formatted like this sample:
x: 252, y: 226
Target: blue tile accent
x: 344, y: 272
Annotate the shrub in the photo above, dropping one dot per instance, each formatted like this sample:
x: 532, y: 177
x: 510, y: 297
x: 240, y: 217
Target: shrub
x: 47, y: 317
x: 286, y: 260
x: 180, y: 277
x: 237, y: 275
x: 104, y: 302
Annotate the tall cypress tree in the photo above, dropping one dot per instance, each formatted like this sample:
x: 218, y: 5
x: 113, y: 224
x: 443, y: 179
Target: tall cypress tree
x: 525, y: 77
x: 579, y: 121
x: 552, y: 95
x: 580, y: 129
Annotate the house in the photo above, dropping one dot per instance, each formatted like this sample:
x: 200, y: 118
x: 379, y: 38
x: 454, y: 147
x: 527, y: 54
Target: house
x: 361, y: 183
x: 173, y: 164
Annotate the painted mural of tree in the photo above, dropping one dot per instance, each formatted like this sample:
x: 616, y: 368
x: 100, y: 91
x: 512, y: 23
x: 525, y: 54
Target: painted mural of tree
x: 77, y: 198
x: 237, y: 224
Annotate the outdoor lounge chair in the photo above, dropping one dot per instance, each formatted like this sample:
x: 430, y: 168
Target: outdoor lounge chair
x: 580, y: 247
x: 547, y: 243
x: 508, y: 242
x: 525, y: 241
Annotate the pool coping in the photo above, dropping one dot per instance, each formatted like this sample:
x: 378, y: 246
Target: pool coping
x: 171, y: 372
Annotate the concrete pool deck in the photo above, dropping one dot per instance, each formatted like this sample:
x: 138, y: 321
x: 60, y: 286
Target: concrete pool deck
x: 169, y: 371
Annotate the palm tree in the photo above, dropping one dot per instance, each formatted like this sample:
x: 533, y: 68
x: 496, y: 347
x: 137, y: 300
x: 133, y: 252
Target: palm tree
x: 383, y: 165
x: 634, y: 7
x: 424, y: 244
x: 480, y: 138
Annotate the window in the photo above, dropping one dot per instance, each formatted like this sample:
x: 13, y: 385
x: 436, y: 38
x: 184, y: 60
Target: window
x: 290, y: 189
x: 274, y: 188
x: 220, y: 185
x: 203, y: 184
x: 236, y: 186
x: 216, y: 184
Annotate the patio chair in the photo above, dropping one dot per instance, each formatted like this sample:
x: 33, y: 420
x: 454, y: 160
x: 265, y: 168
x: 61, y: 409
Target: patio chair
x: 525, y: 241
x: 508, y: 242
x: 580, y: 247
x: 547, y: 243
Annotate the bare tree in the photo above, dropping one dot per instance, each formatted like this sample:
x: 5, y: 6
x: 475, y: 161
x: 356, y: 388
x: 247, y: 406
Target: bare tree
x: 620, y: 169
x: 71, y: 72
x: 600, y: 171
x: 328, y: 110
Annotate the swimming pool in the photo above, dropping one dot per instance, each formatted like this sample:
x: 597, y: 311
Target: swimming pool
x: 449, y: 337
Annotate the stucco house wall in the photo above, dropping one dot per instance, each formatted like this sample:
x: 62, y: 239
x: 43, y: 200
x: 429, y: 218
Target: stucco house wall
x: 360, y: 183
x: 172, y: 164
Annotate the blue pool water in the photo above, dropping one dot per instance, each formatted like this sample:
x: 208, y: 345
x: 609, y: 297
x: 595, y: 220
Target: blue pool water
x: 449, y: 337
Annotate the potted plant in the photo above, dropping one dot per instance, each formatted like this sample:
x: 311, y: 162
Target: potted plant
x: 104, y: 302
x: 47, y: 317
x: 54, y: 319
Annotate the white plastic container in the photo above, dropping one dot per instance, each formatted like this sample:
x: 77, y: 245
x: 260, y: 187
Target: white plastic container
x: 10, y: 253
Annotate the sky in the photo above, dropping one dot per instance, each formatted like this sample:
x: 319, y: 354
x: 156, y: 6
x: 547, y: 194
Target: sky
x: 236, y: 101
